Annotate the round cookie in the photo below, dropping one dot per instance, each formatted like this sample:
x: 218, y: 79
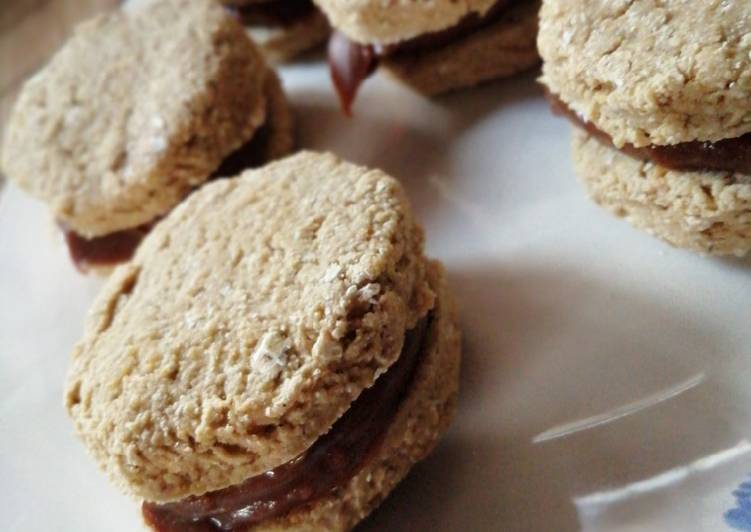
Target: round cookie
x: 647, y: 72
x: 371, y: 22
x: 248, y: 321
x: 503, y: 48
x: 423, y: 417
x: 110, y: 138
x: 707, y: 212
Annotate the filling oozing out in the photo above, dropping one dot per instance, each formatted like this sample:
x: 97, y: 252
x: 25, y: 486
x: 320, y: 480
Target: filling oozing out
x: 350, y: 63
x: 729, y: 155
x: 276, y: 13
x: 103, y: 251
x: 114, y: 248
x: 329, y: 463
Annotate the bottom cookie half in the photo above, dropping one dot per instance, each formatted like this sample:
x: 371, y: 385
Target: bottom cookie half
x: 501, y: 49
x: 707, y: 212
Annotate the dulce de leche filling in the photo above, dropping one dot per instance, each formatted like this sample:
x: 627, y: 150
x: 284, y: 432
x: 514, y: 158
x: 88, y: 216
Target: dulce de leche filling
x: 728, y: 155
x: 329, y: 464
x: 276, y: 13
x: 350, y: 63
x: 117, y: 247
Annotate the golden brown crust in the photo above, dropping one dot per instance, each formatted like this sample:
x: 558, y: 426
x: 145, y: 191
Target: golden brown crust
x: 246, y: 324
x: 139, y: 107
x: 651, y: 72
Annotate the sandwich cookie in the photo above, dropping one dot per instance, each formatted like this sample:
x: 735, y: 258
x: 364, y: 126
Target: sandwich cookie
x: 276, y: 356
x: 663, y: 109
x: 139, y: 108
x: 435, y: 47
x: 283, y: 29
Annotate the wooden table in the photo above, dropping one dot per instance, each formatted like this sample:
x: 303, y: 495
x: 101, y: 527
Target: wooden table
x: 31, y: 31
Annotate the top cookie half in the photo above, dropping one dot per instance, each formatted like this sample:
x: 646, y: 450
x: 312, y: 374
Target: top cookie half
x: 248, y: 321
x: 387, y: 22
x: 137, y: 108
x: 651, y: 72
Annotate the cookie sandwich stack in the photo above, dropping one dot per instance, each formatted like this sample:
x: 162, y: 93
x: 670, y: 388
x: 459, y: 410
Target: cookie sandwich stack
x: 661, y: 97
x: 434, y: 47
x: 138, y: 109
x: 276, y: 356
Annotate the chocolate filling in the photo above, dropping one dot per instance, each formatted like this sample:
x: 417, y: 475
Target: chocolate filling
x: 329, y: 464
x: 728, y: 155
x: 114, y: 248
x: 350, y: 63
x: 277, y: 13
x: 103, y: 251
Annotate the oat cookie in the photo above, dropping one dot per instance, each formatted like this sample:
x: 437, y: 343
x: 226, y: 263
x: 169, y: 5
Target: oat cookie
x: 138, y: 108
x: 434, y: 46
x: 648, y: 72
x: 248, y: 322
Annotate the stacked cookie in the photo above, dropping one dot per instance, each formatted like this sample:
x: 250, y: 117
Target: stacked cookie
x: 283, y: 29
x: 434, y: 47
x: 276, y: 356
x: 138, y: 109
x: 660, y: 95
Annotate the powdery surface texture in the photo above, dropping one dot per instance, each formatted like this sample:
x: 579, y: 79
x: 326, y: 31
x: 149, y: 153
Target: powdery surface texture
x: 651, y: 72
x: 248, y: 321
x: 135, y: 110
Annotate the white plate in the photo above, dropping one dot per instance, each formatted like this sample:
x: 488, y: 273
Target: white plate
x: 605, y: 377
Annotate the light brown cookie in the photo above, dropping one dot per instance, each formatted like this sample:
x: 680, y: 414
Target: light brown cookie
x: 246, y: 324
x: 707, y: 212
x: 373, y: 22
x: 137, y: 109
x: 648, y: 72
x: 505, y: 47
